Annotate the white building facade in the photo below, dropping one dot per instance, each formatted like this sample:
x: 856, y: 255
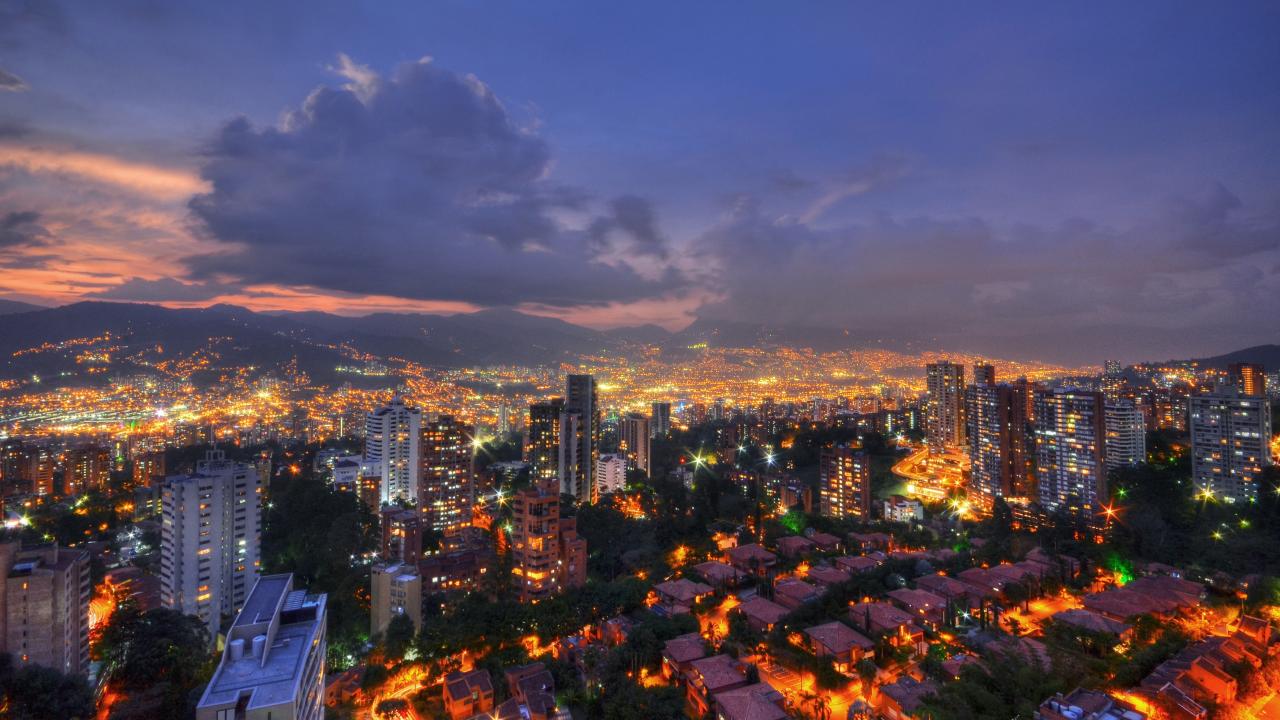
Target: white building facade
x: 211, y: 531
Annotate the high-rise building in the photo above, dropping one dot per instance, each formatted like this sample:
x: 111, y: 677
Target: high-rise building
x: 1168, y: 408
x: 1230, y: 436
x: 660, y: 419
x: 579, y: 437
x: 984, y: 374
x: 209, y: 538
x: 392, y: 449
x: 41, y: 463
x: 845, y: 483
x: 87, y: 468
x: 44, y: 607
x: 1251, y: 378
x: 547, y: 554
x: 997, y: 438
x: 1112, y: 381
x: 635, y: 437
x: 148, y: 467
x: 401, y: 534
x: 1126, y: 435
x: 394, y: 589
x: 1070, y: 436
x: 611, y: 474
x: 944, y: 408
x: 445, y: 494
x: 273, y: 664
x: 542, y: 444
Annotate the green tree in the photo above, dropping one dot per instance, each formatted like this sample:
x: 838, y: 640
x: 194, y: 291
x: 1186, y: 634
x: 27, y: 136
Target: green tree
x: 157, y: 658
x: 40, y: 693
x: 398, y: 637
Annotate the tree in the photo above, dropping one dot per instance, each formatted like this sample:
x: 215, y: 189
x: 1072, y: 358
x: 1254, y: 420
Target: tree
x: 398, y: 636
x: 867, y: 671
x: 40, y: 693
x: 157, y: 658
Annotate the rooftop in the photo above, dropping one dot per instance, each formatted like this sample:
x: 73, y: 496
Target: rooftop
x: 839, y: 638
x: 273, y: 678
x: 753, y: 702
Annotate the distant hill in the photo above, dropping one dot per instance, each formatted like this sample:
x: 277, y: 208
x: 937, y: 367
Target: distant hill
x: 145, y: 334
x: 9, y: 307
x: 152, y: 333
x: 644, y: 334
x: 1266, y: 355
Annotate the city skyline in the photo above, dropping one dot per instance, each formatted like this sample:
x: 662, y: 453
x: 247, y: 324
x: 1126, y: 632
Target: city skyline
x: 1039, y: 183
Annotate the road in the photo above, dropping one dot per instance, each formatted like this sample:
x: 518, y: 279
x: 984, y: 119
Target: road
x: 931, y: 477
x: 1038, y: 611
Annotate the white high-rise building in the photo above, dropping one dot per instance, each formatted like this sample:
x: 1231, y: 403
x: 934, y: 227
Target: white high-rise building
x: 210, y: 537
x: 611, y: 474
x: 1230, y: 436
x: 1126, y: 435
x: 392, y: 443
x: 273, y: 664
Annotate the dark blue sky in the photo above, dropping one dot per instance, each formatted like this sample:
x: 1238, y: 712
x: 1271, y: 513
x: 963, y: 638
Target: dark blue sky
x: 1001, y: 177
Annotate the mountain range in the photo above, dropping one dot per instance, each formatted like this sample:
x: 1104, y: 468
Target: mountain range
x: 149, y: 333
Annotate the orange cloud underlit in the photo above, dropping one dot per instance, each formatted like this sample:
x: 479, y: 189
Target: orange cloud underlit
x: 152, y: 180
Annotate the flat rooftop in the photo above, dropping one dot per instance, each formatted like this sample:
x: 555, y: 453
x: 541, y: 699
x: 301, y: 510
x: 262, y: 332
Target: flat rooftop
x: 275, y: 678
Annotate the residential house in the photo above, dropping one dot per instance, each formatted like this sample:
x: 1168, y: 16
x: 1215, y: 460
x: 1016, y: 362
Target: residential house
x: 709, y: 677
x: 844, y: 645
x: 467, y: 694
x: 761, y: 614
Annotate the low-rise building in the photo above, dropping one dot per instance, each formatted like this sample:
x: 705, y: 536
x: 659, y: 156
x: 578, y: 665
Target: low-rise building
x: 708, y: 678
x: 926, y: 607
x: 751, y: 702
x: 395, y: 589
x: 676, y: 597
x: 826, y: 576
x: 467, y: 694
x: 900, y: 700
x: 857, y: 564
x: 679, y: 653
x: 903, y: 510
x: 877, y: 620
x: 1089, y: 621
x: 826, y: 542
x: 719, y: 574
x: 791, y: 593
x: 794, y: 546
x: 1081, y: 704
x: 751, y: 559
x: 761, y: 614
x: 844, y: 645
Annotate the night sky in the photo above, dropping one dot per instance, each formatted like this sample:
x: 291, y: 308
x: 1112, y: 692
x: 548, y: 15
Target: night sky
x: 1061, y: 181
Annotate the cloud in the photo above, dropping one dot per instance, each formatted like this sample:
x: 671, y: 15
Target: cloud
x: 1069, y: 291
x: 163, y: 290
x: 11, y: 82
x: 415, y: 185
x: 151, y: 180
x: 881, y: 171
x: 21, y: 229
x: 635, y: 219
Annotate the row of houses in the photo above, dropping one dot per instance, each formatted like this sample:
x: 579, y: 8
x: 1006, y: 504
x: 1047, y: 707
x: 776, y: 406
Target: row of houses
x: 530, y: 690
x: 718, y: 683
